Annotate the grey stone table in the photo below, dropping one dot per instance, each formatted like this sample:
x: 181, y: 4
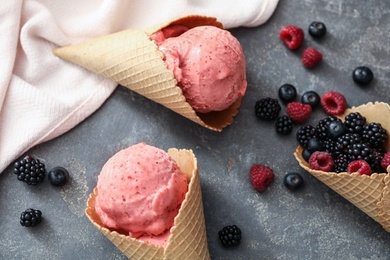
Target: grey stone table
x: 311, y: 223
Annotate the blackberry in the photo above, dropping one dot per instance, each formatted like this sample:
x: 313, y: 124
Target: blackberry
x: 30, y: 170
x: 354, y: 122
x: 377, y: 154
x: 331, y: 147
x: 346, y: 140
x: 375, y: 135
x: 341, y: 163
x: 305, y: 133
x: 284, y: 125
x: 230, y: 236
x: 323, y: 125
x: 267, y: 108
x: 360, y: 151
x: 30, y: 217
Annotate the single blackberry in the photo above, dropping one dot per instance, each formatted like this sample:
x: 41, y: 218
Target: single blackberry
x: 305, y: 133
x: 331, y: 147
x: 30, y: 170
x: 267, y: 108
x: 360, y: 151
x: 323, y: 125
x: 341, y: 163
x: 377, y: 154
x: 284, y: 125
x: 375, y: 135
x: 354, y: 122
x: 30, y: 217
x: 346, y: 140
x: 230, y: 236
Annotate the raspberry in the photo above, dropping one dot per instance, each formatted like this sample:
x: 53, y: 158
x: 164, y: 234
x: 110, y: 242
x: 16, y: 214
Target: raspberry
x: 311, y: 57
x: 261, y: 176
x: 298, y: 112
x: 360, y: 166
x: 386, y: 161
x: 292, y: 36
x: 321, y: 161
x: 333, y: 103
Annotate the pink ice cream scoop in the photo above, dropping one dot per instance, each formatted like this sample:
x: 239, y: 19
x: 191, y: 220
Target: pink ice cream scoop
x: 140, y: 190
x: 208, y: 64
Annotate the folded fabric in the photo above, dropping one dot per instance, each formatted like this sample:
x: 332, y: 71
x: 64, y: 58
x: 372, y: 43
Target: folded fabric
x: 42, y: 96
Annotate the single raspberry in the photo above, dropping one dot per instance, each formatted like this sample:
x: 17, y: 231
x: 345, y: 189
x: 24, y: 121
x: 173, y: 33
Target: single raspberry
x: 261, y: 176
x: 311, y: 57
x: 292, y: 36
x: 321, y: 161
x: 298, y: 112
x: 333, y: 103
x: 386, y: 161
x: 360, y: 166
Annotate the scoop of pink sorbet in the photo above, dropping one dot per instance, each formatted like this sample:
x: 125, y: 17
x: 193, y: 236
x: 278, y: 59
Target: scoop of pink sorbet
x: 208, y: 63
x: 140, y: 191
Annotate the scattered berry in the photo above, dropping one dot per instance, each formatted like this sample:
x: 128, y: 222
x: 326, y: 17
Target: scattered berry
x: 317, y: 29
x: 336, y: 129
x: 362, y: 75
x: 360, y: 166
x: 298, y: 112
x: 311, y: 98
x: 333, y: 103
x: 267, y: 108
x: 385, y: 161
x: 261, y: 177
x: 30, y: 217
x: 293, y: 180
x: 292, y: 36
x: 284, y: 125
x: 287, y: 93
x: 58, y: 176
x: 30, y: 170
x: 321, y: 161
x: 230, y: 236
x: 311, y: 57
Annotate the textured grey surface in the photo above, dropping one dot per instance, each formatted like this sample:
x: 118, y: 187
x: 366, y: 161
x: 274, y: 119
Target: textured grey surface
x: 312, y: 223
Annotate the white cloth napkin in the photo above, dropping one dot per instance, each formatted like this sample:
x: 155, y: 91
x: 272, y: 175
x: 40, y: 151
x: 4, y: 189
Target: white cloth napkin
x: 42, y: 96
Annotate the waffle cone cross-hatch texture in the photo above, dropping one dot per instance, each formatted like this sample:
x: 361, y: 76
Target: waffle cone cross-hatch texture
x: 371, y: 194
x: 132, y: 60
x: 188, y: 235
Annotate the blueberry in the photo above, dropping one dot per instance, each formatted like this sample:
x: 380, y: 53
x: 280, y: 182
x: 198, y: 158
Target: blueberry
x: 362, y: 75
x: 336, y: 129
x: 58, y: 176
x: 317, y: 29
x: 293, y: 180
x: 306, y: 154
x: 311, y: 98
x: 287, y: 93
x: 314, y: 145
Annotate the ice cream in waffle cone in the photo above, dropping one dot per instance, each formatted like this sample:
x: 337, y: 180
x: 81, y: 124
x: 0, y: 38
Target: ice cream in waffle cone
x: 187, y: 238
x: 133, y: 60
x: 371, y: 193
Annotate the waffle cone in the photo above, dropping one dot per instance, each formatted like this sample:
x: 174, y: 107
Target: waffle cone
x: 188, y: 235
x: 132, y: 60
x: 371, y: 194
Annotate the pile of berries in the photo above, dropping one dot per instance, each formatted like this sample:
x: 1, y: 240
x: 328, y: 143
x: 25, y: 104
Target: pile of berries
x: 350, y: 146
